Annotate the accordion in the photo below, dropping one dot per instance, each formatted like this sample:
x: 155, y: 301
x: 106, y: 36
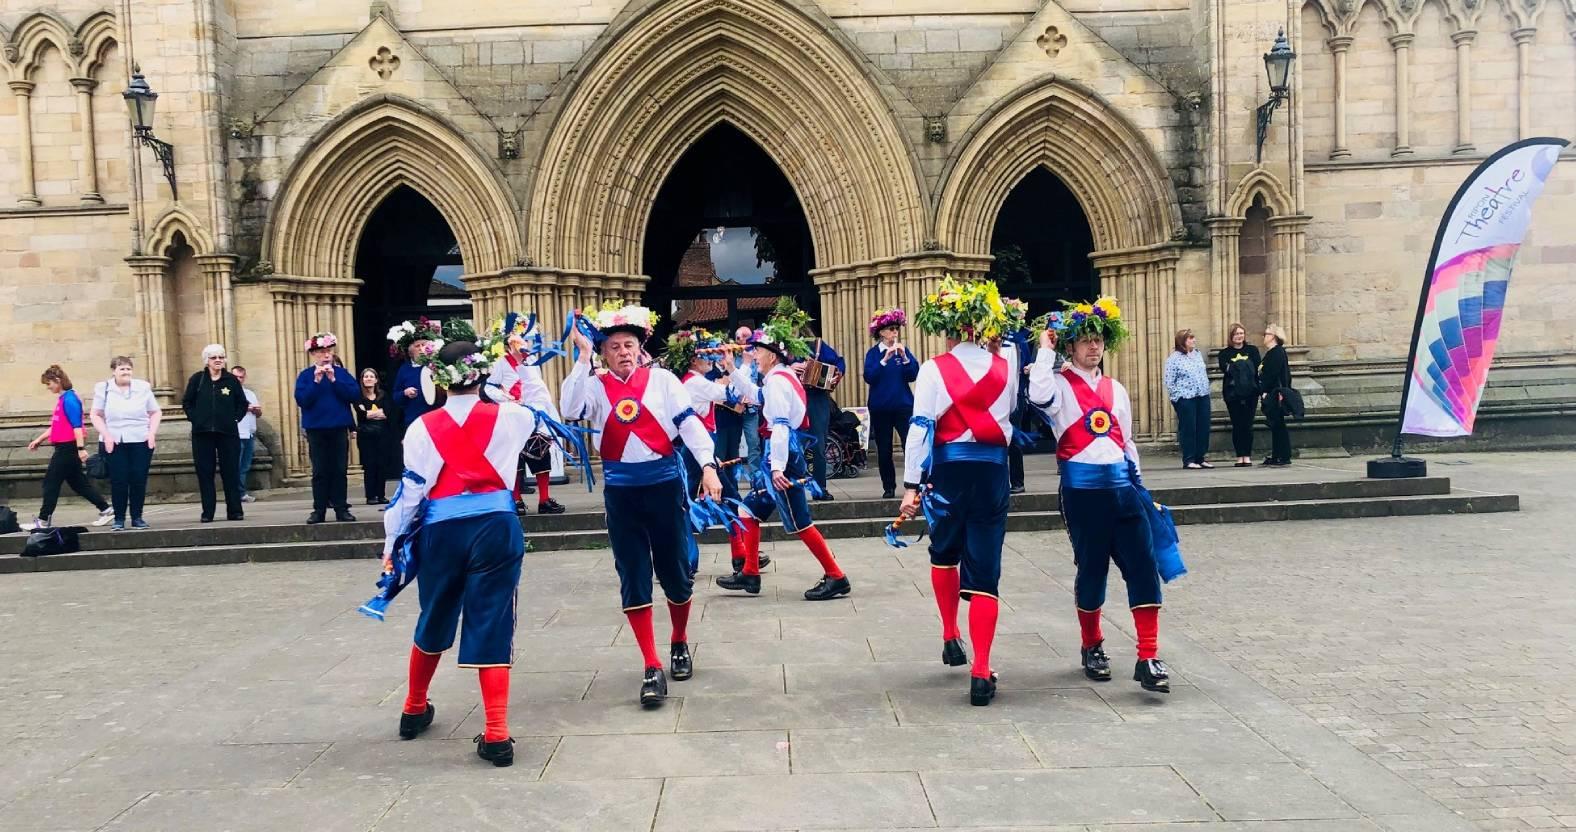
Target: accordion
x: 818, y: 374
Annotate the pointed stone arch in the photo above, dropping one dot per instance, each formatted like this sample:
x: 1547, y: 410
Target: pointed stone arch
x: 178, y: 220
x: 672, y: 69
x: 32, y: 35
x: 1260, y: 182
x: 98, y: 34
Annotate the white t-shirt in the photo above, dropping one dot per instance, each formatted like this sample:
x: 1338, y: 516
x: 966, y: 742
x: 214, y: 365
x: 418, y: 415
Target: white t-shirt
x: 126, y: 410
x: 247, y: 427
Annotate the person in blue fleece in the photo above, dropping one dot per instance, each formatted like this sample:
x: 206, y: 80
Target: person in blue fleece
x: 325, y: 394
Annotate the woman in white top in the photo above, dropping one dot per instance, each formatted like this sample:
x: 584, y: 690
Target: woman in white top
x: 126, y: 416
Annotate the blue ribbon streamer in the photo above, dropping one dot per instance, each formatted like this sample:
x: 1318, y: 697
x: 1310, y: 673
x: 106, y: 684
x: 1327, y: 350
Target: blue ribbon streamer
x: 576, y: 436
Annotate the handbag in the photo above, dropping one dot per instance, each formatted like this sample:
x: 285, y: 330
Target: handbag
x: 98, y: 464
x: 57, y: 541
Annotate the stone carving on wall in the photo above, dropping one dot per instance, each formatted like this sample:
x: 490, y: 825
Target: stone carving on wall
x: 1052, y: 41
x: 936, y: 129
x: 384, y: 63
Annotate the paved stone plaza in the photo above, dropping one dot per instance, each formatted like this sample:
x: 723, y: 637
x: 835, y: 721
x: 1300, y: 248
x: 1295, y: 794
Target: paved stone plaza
x: 1398, y: 674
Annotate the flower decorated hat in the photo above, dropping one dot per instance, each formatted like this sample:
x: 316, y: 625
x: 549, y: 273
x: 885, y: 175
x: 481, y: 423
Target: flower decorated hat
x: 972, y: 310
x: 783, y: 333
x: 409, y: 332
x: 1100, y: 319
x: 322, y: 341
x: 470, y: 368
x: 884, y: 318
x: 615, y: 316
x: 683, y: 345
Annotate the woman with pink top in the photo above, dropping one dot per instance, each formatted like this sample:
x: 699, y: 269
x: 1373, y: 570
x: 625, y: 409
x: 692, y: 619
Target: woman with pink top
x: 71, y: 450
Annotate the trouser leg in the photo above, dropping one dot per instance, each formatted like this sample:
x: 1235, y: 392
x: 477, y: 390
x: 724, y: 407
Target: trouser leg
x: 229, y: 452
x: 120, y: 463
x: 205, y: 453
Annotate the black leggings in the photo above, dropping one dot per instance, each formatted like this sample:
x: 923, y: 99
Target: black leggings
x: 65, y: 468
x: 1242, y: 414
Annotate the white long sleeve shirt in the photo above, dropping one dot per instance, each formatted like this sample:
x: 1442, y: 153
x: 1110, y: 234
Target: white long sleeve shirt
x: 533, y: 389
x: 514, y: 426
x: 783, y: 409
x: 1053, y: 395
x: 931, y: 400
x: 584, y: 396
x: 704, y: 394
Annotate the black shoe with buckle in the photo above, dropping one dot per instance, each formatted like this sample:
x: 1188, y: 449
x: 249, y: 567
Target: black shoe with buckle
x: 653, y: 688
x: 739, y: 580
x: 680, y: 663
x: 411, y: 725
x: 550, y: 507
x: 500, y: 753
x: 827, y: 589
x: 982, y: 691
x: 761, y: 562
x: 1153, y: 675
x: 952, y: 653
x: 1096, y: 664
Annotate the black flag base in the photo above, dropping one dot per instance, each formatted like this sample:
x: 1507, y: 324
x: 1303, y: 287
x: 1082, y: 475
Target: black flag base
x: 1397, y: 467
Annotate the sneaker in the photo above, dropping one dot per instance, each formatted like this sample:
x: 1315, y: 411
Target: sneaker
x: 681, y: 662
x: 411, y: 725
x: 1153, y: 675
x: 654, y: 687
x: 827, y: 589
x: 117, y: 526
x: 1096, y: 664
x: 247, y: 498
x: 39, y: 524
x: 500, y: 753
x: 106, y: 517
x: 550, y: 507
x: 140, y: 524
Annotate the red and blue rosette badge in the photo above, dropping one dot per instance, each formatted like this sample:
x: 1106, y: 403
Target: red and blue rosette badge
x: 626, y: 411
x: 1099, y: 421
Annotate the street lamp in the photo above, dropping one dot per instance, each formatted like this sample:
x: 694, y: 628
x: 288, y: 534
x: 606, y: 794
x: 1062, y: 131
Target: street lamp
x: 1277, y: 62
x: 140, y: 99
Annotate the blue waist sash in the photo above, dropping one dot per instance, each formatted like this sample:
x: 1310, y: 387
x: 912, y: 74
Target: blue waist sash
x: 1088, y: 475
x: 625, y: 474
x: 461, y: 506
x: 969, y: 452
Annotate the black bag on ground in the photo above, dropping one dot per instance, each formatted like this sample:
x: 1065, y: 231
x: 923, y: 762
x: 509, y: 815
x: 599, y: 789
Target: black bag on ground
x: 8, y: 522
x: 57, y: 541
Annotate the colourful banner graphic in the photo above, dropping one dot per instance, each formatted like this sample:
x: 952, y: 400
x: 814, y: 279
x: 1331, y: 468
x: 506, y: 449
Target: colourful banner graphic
x: 1463, y: 300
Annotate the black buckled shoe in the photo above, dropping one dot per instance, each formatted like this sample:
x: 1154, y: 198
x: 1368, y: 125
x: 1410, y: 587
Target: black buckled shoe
x: 761, y: 561
x: 519, y: 507
x: 343, y: 515
x: 1153, y: 675
x: 411, y: 725
x: 739, y: 580
x: 828, y: 588
x: 681, y: 665
x: 953, y: 654
x: 654, y: 688
x: 500, y: 753
x: 550, y: 507
x: 982, y: 691
x: 1096, y: 664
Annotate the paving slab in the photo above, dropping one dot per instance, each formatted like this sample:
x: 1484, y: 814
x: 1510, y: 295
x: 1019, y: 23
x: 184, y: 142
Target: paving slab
x: 557, y: 719
x: 428, y: 759
x: 1263, y: 791
x: 55, y: 808
x: 800, y: 801
x: 927, y: 748
x: 1073, y: 706
x: 777, y: 710
x: 610, y: 805
x: 1072, y: 745
x: 624, y: 685
x: 135, y: 765
x: 1094, y: 795
x: 629, y: 756
x: 260, y: 810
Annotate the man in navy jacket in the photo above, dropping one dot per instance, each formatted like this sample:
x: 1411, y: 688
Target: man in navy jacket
x: 325, y: 392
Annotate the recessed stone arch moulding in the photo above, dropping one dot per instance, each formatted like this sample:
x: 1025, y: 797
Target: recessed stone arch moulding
x: 678, y: 68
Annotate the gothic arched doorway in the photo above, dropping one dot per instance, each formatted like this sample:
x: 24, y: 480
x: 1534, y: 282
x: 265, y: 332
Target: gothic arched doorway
x: 727, y: 237
x: 409, y: 264
x: 1041, y: 244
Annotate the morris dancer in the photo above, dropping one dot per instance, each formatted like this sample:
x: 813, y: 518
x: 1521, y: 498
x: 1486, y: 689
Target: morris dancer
x: 1098, y: 463
x: 782, y: 479
x: 507, y: 383
x: 963, y: 403
x: 639, y: 411
x: 411, y: 339
x: 459, y: 459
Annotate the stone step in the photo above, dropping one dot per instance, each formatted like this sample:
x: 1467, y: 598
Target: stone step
x: 340, y: 549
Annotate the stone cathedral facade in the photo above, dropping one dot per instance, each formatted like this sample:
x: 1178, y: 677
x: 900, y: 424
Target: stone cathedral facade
x: 550, y: 155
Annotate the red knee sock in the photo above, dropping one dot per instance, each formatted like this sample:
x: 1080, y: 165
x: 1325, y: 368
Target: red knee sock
x: 1146, y: 622
x: 495, y: 702
x: 736, y: 543
x: 680, y: 615
x: 817, y: 545
x: 752, y: 546
x: 645, y: 636
x: 944, y: 580
x: 541, y: 486
x: 422, y: 667
x: 1089, y: 628
x: 983, y: 611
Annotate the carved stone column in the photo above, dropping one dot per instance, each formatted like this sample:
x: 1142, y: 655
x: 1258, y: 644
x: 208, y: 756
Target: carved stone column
x: 1289, y: 282
x: 1402, y: 44
x: 1340, y: 47
x: 303, y: 306
x: 28, y: 194
x: 84, y: 88
x: 218, y: 302
x: 1524, y: 38
x: 1225, y: 277
x: 1143, y: 280
x: 151, y: 276
x: 1463, y: 41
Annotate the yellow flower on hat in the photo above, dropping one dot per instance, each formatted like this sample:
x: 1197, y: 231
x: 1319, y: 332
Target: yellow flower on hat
x: 1108, y: 305
x: 1086, y: 308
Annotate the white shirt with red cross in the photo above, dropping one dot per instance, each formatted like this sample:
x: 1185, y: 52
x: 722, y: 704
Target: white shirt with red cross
x: 585, y: 396
x: 933, y: 398
x: 1052, y: 393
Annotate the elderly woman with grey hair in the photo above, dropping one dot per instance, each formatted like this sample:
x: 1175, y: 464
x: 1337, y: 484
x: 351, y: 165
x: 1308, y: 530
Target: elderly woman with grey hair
x: 215, y: 403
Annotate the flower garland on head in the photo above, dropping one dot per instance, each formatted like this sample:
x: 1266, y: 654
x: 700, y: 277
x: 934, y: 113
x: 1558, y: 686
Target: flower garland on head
x: 682, y: 347
x: 617, y: 315
x: 1102, y: 319
x: 784, y: 331
x: 470, y: 369
x: 322, y: 341
x: 1017, y: 314
x: 971, y: 310
x: 409, y: 332
x: 884, y: 318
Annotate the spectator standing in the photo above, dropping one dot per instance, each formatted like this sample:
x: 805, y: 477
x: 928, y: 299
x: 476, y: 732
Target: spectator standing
x: 215, y: 403
x: 1239, y: 387
x: 65, y: 433
x: 411, y: 340
x: 1275, y: 374
x: 373, y: 432
x: 247, y: 429
x: 1187, y: 384
x: 325, y: 394
x: 819, y: 403
x: 126, y: 416
x: 889, y: 370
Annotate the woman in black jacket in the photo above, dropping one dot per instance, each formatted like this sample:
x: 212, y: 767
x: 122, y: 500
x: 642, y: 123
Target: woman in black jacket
x: 1239, y: 387
x: 215, y: 403
x: 1274, y: 374
x: 372, y: 435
